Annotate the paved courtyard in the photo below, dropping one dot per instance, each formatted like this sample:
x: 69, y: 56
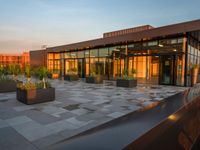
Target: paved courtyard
x: 78, y: 106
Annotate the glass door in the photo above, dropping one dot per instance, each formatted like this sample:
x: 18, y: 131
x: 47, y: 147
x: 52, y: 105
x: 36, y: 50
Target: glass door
x: 81, y: 68
x: 166, y: 70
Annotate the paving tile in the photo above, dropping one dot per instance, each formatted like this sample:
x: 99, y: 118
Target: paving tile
x: 116, y: 114
x: 61, y: 125
x: 23, y: 108
x: 18, y: 120
x: 40, y: 117
x: 3, y: 124
x: 79, y: 111
x: 11, y: 140
x: 32, y: 130
x: 78, y: 123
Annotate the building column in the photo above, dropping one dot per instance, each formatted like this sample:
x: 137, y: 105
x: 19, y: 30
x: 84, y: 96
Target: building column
x: 62, y: 65
x: 126, y: 58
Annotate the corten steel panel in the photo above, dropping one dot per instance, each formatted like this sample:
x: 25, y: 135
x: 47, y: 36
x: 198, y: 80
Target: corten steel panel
x: 38, y: 58
x: 151, y: 33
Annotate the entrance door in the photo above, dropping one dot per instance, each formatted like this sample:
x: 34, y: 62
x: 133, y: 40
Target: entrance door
x: 81, y: 68
x: 167, y: 70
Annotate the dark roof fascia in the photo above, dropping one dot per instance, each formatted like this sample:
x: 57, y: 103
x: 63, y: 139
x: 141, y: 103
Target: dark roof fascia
x: 147, y: 34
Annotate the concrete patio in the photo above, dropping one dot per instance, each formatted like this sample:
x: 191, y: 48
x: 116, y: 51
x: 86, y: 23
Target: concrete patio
x: 78, y: 107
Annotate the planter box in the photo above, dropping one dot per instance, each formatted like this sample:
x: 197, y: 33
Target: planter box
x: 35, y: 96
x: 71, y: 77
x: 126, y: 83
x: 8, y: 86
x: 96, y: 80
x: 53, y: 76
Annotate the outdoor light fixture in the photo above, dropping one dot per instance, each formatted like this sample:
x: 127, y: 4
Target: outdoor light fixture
x: 172, y: 117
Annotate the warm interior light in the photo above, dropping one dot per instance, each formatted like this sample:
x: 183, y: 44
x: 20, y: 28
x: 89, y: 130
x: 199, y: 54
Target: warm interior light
x: 174, y: 50
x: 160, y: 45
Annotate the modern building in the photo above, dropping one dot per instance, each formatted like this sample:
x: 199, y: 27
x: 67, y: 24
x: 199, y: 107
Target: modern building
x: 162, y: 55
x: 21, y: 59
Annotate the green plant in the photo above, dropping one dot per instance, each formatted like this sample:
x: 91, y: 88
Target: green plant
x: 40, y: 85
x: 26, y: 86
x: 1, y: 71
x: 72, y: 71
x: 195, y: 66
x: 15, y: 70
x: 125, y: 72
x: 42, y: 74
x: 126, y: 76
x: 27, y: 72
x: 32, y: 86
x: 133, y: 71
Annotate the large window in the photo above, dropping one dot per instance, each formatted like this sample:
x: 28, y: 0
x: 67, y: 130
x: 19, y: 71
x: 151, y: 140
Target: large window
x: 53, y: 64
x: 94, y: 53
x: 103, y: 52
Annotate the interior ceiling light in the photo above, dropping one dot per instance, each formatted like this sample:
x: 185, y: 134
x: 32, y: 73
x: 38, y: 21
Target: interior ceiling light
x: 174, y: 50
x: 160, y: 45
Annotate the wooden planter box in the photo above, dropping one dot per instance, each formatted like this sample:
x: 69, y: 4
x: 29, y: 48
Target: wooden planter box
x: 96, y: 79
x: 126, y: 83
x: 35, y: 96
x: 71, y: 77
x: 8, y: 86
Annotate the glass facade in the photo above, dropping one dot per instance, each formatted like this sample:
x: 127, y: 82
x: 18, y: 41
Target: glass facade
x: 160, y: 61
x: 54, y: 62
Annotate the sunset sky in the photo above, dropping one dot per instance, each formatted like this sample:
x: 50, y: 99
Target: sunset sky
x: 29, y: 24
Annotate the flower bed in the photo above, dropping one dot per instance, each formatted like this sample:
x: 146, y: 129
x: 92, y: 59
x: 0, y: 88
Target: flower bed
x: 32, y: 93
x: 94, y: 79
x: 71, y: 77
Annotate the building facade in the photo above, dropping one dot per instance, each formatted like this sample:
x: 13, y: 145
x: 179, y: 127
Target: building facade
x: 21, y: 59
x: 163, y: 55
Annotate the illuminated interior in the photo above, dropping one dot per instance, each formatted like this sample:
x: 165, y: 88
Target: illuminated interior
x: 156, y: 61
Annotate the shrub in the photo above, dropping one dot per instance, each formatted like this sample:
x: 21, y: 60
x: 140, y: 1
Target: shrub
x: 72, y: 71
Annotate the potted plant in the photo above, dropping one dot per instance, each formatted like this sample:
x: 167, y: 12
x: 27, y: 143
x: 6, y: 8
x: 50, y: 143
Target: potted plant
x: 53, y: 74
x: 8, y: 84
x: 71, y: 75
x: 194, y: 73
x: 95, y: 78
x: 14, y: 70
x: 127, y: 81
x: 36, y: 92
